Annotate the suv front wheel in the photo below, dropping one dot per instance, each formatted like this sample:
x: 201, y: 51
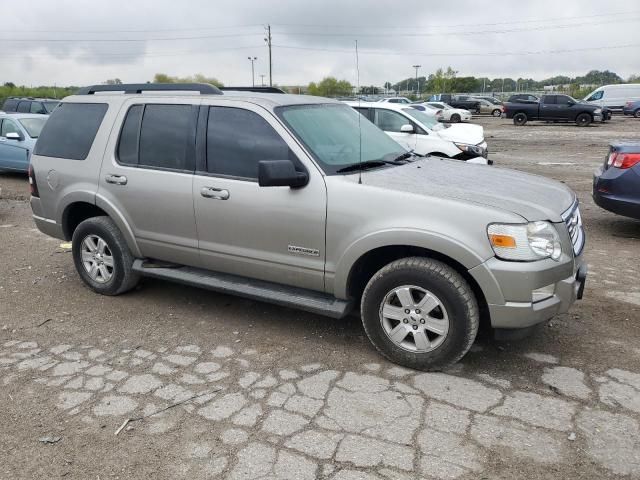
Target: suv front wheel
x: 102, y: 258
x: 420, y: 313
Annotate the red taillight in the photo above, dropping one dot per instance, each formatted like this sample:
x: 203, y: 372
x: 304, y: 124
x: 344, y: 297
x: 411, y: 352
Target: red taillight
x: 33, y: 185
x: 629, y: 104
x: 623, y: 160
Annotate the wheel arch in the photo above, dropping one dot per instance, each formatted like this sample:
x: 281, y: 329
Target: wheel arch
x: 370, y: 262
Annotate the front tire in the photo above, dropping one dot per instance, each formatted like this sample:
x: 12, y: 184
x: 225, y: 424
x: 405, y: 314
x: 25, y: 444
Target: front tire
x: 442, y: 319
x: 636, y: 114
x: 455, y: 118
x: 497, y: 112
x: 583, y: 120
x: 102, y: 258
x: 519, y: 119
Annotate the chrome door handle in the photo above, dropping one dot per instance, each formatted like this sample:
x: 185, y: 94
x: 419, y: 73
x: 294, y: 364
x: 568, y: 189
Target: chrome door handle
x: 215, y: 193
x: 116, y: 179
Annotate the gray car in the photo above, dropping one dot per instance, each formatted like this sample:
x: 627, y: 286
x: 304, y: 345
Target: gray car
x: 18, y: 135
x: 302, y: 202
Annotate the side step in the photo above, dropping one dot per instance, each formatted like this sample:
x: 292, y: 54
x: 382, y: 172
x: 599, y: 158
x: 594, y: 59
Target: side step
x: 298, y: 298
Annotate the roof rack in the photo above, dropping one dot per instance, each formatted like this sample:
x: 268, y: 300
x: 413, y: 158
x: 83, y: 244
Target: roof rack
x: 253, y: 89
x: 202, y: 88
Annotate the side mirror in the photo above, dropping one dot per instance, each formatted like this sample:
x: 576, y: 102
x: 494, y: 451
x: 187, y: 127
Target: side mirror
x: 14, y: 136
x: 407, y: 128
x: 280, y: 173
x: 571, y: 103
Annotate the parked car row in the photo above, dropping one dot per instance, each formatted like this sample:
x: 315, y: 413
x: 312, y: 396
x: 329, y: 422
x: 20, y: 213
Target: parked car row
x: 18, y: 135
x: 40, y: 106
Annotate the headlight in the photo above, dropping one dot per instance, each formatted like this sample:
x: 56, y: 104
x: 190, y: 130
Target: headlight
x: 525, y: 243
x: 472, y: 149
x: 597, y: 111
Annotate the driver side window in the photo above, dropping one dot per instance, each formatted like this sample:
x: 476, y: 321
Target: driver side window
x: 8, y: 126
x: 389, y: 121
x: 596, y: 96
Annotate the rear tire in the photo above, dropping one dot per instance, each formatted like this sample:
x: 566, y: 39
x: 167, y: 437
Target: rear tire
x: 519, y: 119
x: 443, y: 317
x: 455, y: 118
x: 636, y: 114
x: 583, y: 120
x: 102, y: 258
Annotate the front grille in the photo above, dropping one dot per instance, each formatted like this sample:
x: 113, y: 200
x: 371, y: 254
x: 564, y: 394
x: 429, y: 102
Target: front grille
x: 573, y: 221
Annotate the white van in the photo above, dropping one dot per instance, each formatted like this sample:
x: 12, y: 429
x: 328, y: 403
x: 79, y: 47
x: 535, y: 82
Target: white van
x: 614, y: 96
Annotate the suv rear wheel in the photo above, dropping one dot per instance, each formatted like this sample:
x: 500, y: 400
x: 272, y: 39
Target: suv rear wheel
x: 420, y: 313
x: 102, y: 257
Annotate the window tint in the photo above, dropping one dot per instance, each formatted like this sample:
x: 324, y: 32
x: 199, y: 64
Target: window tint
x: 563, y: 99
x: 550, y: 100
x: 70, y: 130
x: 24, y: 107
x: 10, y: 106
x: 390, y: 121
x: 165, y: 135
x: 238, y: 139
x: 365, y: 112
x: 8, y: 126
x: 49, y: 106
x: 128, y: 143
x: 37, y: 107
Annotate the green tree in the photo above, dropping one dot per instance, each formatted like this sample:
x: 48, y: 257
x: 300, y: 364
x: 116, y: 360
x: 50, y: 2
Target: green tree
x: 330, y: 87
x: 197, y: 78
x: 113, y: 81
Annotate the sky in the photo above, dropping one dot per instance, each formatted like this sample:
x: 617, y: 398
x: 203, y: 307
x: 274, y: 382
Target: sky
x: 78, y: 42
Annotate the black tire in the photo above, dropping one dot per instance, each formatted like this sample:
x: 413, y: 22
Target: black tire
x: 448, y: 286
x: 520, y: 119
x: 583, y: 120
x: 637, y: 113
x: 455, y: 118
x: 123, y: 277
x: 497, y: 112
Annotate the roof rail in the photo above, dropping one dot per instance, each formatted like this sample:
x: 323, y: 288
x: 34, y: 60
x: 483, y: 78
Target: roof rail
x: 254, y: 89
x: 202, y: 88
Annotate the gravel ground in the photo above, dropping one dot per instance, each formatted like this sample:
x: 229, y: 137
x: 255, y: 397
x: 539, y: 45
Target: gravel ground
x: 220, y: 387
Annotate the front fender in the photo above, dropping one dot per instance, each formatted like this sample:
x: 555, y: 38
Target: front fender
x: 434, y: 241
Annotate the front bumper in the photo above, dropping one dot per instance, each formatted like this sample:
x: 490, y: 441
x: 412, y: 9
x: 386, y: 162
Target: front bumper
x: 508, y: 288
x: 597, y: 118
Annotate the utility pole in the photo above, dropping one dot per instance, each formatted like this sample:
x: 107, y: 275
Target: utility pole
x: 503, y: 85
x: 262, y: 79
x: 417, y: 83
x: 253, y: 77
x: 268, y: 40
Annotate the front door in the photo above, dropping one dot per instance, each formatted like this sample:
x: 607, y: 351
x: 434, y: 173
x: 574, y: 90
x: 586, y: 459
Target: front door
x: 269, y: 233
x: 147, y: 176
x: 13, y: 156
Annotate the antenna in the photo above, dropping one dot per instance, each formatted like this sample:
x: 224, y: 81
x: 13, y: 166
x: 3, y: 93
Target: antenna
x: 359, y: 117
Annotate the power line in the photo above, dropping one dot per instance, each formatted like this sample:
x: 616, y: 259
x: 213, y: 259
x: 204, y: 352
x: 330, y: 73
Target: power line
x: 465, y: 54
x: 137, y: 55
x: 98, y: 31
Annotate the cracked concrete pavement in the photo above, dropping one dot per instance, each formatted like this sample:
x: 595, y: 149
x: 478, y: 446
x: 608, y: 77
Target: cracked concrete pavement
x: 221, y: 387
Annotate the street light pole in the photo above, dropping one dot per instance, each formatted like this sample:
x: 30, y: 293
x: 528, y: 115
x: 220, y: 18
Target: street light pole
x: 253, y: 77
x: 262, y: 79
x: 417, y: 84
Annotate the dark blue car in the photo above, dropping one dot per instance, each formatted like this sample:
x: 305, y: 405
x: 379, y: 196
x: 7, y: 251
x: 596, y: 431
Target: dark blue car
x: 616, y: 184
x: 632, y: 108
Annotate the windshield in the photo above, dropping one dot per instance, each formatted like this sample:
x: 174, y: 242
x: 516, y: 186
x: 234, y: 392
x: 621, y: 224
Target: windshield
x: 33, y: 126
x: 426, y: 120
x: 49, y: 106
x: 335, y: 133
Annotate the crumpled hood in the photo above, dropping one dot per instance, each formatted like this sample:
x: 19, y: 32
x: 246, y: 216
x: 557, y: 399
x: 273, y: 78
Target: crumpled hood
x: 531, y: 196
x: 463, y: 133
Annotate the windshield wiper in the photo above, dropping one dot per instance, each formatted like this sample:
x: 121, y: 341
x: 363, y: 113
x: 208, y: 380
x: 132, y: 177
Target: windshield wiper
x: 367, y: 164
x: 406, y: 156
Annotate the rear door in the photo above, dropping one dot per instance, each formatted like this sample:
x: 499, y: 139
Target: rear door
x: 268, y: 233
x: 147, y: 175
x: 13, y: 153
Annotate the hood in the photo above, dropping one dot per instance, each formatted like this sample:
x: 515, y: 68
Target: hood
x: 463, y: 133
x: 531, y: 196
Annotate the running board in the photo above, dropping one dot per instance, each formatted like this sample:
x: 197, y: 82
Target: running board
x: 298, y: 298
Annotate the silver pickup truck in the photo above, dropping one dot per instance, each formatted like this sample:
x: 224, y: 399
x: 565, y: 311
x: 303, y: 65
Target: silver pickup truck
x: 302, y: 202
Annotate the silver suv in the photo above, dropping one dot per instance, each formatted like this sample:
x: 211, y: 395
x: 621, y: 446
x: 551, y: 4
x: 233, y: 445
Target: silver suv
x: 302, y: 202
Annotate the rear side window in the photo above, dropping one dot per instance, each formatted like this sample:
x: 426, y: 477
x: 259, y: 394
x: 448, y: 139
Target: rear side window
x: 37, y: 107
x: 238, y: 139
x: 71, y: 130
x: 165, y: 135
x: 129, y: 137
x: 24, y: 107
x: 10, y: 106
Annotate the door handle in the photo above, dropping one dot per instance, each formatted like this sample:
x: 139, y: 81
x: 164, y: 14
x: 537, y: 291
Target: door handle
x: 214, y: 193
x: 116, y: 179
